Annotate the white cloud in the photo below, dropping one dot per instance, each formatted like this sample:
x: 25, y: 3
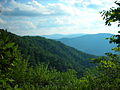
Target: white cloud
x: 72, y: 2
x: 18, y: 25
x: 26, y: 9
x: 62, y: 17
x: 36, y: 9
x: 2, y: 21
x: 84, y: 3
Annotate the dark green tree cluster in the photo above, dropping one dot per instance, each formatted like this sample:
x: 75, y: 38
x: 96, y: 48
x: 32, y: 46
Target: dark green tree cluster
x: 106, y: 75
x: 9, y: 57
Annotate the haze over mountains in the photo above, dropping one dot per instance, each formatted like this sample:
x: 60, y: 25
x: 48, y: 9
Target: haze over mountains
x: 59, y: 36
x: 95, y: 44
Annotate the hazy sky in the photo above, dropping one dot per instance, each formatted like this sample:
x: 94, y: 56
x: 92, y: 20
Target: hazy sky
x: 38, y: 17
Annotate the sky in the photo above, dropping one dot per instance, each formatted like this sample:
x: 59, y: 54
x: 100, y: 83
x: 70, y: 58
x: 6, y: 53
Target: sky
x: 45, y: 17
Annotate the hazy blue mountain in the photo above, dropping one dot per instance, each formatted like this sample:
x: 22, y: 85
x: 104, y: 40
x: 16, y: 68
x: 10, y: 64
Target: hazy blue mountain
x: 91, y: 43
x: 59, y: 36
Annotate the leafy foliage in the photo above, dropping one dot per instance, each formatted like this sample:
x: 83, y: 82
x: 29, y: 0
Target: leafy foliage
x: 106, y: 75
x: 9, y: 57
x: 111, y: 16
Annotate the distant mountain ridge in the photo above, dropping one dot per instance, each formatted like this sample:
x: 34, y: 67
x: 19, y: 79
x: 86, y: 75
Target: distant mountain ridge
x: 59, y: 36
x: 91, y: 43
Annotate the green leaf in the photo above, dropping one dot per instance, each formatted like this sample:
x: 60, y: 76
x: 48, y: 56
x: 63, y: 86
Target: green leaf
x: 9, y: 45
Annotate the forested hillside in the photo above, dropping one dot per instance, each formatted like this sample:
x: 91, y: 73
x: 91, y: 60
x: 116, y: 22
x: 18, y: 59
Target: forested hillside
x: 57, y: 55
x: 17, y: 74
x: 36, y: 63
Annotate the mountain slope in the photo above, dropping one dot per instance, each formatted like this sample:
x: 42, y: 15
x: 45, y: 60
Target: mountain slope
x: 92, y: 43
x: 52, y: 52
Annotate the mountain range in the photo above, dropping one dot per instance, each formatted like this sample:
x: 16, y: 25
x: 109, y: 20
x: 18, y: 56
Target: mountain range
x: 59, y: 36
x: 91, y: 43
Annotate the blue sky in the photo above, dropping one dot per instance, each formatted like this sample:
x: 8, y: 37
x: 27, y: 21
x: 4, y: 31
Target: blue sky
x: 43, y: 17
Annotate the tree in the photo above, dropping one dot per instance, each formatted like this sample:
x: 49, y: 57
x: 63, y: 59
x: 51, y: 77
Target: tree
x: 113, y: 15
x: 9, y: 59
x: 106, y: 75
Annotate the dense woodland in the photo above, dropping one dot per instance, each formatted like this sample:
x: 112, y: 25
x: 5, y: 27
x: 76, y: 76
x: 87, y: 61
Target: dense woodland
x: 31, y: 63
x: 54, y: 53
